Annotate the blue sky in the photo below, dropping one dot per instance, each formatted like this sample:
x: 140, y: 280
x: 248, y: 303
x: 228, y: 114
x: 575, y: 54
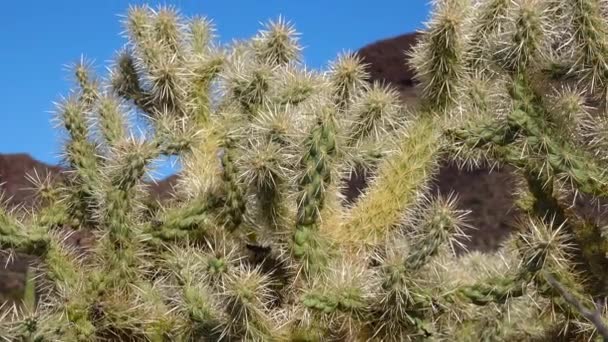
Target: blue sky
x: 40, y: 37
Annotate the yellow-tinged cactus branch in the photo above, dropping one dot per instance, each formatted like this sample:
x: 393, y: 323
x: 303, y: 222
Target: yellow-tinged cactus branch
x: 399, y: 185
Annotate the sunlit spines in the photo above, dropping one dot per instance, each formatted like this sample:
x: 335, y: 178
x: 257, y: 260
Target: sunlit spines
x: 339, y: 301
x: 246, y: 298
x: 440, y: 56
x: 486, y: 107
x: 63, y: 269
x: 248, y: 82
x: 347, y: 74
x: 82, y: 155
x: 198, y: 305
x: 595, y: 132
x: 266, y: 172
x: 80, y: 151
x: 63, y: 264
x: 280, y: 125
x: 541, y: 247
x: 120, y: 316
x: 277, y: 44
x: 486, y: 25
x: 200, y: 34
x: 569, y: 113
x: 158, y: 320
x: 138, y: 24
x: 548, y: 253
x: 442, y: 223
x: 119, y: 247
x: 155, y: 42
x: 202, y: 167
x: 248, y: 128
x: 203, y: 70
x: 478, y: 140
x: 393, y: 298
x: 73, y: 118
x: 590, y: 46
x: 559, y: 156
x: 514, y: 319
x: 87, y: 83
x: 573, y: 250
x: 168, y: 30
x: 175, y: 137
x: 222, y: 259
x: 130, y: 161
x: 111, y: 119
x: 141, y: 34
x: 52, y: 205
x: 167, y: 87
x: 297, y: 85
x: 526, y: 37
x: 376, y: 113
x: 15, y: 236
x: 29, y: 323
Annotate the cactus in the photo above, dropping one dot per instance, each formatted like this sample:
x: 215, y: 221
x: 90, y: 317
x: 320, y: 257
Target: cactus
x: 258, y: 242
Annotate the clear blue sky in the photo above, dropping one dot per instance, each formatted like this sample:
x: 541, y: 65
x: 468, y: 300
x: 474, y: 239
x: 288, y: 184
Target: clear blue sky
x: 39, y: 37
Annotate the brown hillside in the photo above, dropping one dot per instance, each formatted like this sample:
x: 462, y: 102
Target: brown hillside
x: 387, y: 61
x: 16, y: 171
x: 14, y: 182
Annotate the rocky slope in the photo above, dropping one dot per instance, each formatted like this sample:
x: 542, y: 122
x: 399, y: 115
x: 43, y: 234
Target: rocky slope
x: 18, y: 170
x: 14, y: 182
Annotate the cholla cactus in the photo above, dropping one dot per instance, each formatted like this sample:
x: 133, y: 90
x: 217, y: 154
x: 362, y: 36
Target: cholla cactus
x: 258, y: 243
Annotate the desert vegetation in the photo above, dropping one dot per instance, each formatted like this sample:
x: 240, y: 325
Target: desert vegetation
x: 257, y: 242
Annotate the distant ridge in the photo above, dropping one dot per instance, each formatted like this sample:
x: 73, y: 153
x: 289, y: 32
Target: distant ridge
x: 16, y: 187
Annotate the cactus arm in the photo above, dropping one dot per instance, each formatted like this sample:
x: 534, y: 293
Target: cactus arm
x: 277, y: 43
x: 111, y: 120
x: 590, y: 46
x: 234, y: 203
x: 495, y: 290
x: 347, y: 75
x: 398, y: 184
x: 488, y: 21
x: 316, y: 163
x: 14, y: 236
x: 187, y: 222
x: 439, y: 57
x: 126, y: 83
x: 205, y: 70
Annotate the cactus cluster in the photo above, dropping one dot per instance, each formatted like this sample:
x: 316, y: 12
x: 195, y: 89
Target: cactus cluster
x: 259, y: 244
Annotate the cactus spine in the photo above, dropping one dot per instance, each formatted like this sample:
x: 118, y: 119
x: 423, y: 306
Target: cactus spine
x: 257, y: 243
